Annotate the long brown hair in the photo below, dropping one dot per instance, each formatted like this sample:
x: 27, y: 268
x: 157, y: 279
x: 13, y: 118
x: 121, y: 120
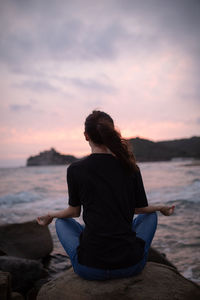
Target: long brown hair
x: 101, y: 130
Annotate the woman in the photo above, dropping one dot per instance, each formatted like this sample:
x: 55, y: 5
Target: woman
x: 108, y: 185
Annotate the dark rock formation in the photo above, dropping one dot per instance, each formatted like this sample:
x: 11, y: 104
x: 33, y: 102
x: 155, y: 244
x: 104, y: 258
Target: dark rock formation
x: 51, y: 157
x: 156, y: 281
x: 158, y: 257
x: 24, y: 272
x: 5, y: 285
x: 26, y: 240
x: 16, y: 296
x: 146, y: 150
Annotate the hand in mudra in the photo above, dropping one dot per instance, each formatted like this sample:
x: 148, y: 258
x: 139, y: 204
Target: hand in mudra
x: 44, y: 220
x: 167, y: 210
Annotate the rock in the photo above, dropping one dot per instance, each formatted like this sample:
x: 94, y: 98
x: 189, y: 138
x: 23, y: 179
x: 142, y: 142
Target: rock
x: 158, y: 257
x: 5, y: 285
x: 2, y: 253
x: 57, y: 264
x: 51, y: 157
x: 26, y: 240
x: 16, y: 296
x: 32, y: 293
x: 24, y: 272
x: 156, y: 281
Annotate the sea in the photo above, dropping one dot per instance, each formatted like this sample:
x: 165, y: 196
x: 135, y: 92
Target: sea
x: 28, y: 192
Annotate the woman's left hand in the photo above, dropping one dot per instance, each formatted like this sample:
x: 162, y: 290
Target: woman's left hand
x: 167, y: 210
x: 44, y: 220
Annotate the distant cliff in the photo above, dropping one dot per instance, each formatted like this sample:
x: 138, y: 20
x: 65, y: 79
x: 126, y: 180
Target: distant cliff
x: 51, y: 157
x: 146, y: 150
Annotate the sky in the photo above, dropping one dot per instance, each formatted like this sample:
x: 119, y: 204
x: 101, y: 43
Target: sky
x: 137, y: 60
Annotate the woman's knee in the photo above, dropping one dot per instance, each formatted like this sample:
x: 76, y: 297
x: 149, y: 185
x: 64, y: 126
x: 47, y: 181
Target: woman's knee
x: 60, y: 223
x: 154, y: 216
x: 145, y: 217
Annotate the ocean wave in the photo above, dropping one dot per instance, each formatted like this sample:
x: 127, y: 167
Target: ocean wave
x: 184, y: 245
x: 181, y: 202
x: 21, y: 197
x: 189, y: 192
x: 196, y: 180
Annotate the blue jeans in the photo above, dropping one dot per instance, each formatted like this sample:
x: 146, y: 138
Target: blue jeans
x: 69, y: 230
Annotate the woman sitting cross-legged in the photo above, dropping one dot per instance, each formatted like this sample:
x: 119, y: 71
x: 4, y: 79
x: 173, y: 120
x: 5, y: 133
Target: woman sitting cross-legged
x: 108, y: 185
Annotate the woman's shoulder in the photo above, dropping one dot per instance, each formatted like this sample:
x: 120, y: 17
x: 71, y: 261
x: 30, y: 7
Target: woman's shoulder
x: 79, y: 163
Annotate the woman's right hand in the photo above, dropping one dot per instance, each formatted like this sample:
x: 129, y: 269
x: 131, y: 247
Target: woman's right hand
x: 167, y: 210
x: 44, y: 220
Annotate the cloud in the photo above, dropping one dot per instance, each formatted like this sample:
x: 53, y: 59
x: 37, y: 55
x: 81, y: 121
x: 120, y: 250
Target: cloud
x: 27, y: 40
x: 20, y: 107
x: 37, y: 86
x: 58, y: 40
x: 198, y: 120
x: 91, y: 84
x: 32, y: 36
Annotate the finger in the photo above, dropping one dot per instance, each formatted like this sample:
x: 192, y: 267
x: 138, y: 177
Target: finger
x: 39, y: 220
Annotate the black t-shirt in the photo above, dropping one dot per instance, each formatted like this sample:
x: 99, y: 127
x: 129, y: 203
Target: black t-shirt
x: 109, y: 196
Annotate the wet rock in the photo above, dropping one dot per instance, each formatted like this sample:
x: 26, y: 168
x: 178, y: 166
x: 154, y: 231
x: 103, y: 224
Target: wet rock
x: 156, y: 281
x: 2, y: 253
x: 58, y: 264
x: 5, y: 285
x: 16, y: 296
x: 26, y: 240
x: 32, y: 294
x: 158, y: 257
x: 24, y: 272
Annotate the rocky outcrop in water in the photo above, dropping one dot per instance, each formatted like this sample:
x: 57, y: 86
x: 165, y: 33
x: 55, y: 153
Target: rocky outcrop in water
x: 50, y: 158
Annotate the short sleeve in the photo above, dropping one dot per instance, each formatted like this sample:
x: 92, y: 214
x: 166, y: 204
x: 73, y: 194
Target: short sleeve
x: 141, y: 198
x: 72, y: 188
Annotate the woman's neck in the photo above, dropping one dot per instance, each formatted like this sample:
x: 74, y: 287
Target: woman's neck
x: 99, y: 149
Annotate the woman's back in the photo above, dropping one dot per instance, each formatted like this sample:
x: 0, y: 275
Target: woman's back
x: 109, y: 195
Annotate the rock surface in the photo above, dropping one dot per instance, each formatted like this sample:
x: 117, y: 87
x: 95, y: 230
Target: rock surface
x: 16, y: 296
x: 5, y: 285
x: 158, y: 257
x: 157, y: 281
x: 24, y: 272
x: 26, y: 240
